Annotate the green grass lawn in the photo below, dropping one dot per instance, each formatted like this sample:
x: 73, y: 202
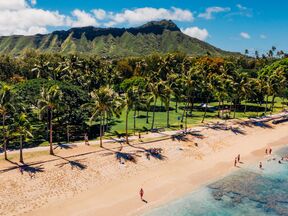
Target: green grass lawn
x: 160, y: 117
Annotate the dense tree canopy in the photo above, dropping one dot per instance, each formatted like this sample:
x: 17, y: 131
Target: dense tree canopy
x: 101, y: 88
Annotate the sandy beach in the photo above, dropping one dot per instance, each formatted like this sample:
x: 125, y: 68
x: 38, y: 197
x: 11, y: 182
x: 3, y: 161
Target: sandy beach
x: 88, y: 180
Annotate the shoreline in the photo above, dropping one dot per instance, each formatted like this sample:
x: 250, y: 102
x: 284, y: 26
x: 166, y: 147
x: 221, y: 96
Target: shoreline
x: 182, y: 172
x: 251, y: 159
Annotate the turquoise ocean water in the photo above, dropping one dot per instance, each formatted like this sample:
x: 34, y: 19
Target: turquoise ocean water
x: 246, y: 192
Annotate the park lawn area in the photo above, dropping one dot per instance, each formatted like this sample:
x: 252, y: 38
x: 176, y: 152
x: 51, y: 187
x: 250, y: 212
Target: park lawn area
x: 161, y: 122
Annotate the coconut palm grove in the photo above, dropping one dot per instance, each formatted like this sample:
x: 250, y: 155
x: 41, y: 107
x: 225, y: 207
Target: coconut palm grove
x: 147, y: 108
x: 58, y: 98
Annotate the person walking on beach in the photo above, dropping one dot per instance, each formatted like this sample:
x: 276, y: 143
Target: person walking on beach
x: 266, y: 151
x: 260, y: 165
x: 86, y: 139
x: 270, y: 151
x: 235, y: 162
x: 238, y: 157
x: 141, y: 193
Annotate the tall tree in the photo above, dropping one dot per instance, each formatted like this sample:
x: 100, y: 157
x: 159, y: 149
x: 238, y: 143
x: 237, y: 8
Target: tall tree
x: 23, y: 130
x: 128, y: 103
x: 49, y: 102
x: 7, y: 103
x: 104, y: 102
x: 154, y: 88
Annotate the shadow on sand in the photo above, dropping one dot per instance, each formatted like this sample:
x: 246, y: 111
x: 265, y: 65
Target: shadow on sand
x: 121, y: 155
x: 73, y: 163
x: 65, y: 146
x: 28, y: 168
x: 222, y: 126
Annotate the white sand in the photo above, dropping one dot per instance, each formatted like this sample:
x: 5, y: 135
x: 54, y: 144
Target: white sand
x: 106, y: 187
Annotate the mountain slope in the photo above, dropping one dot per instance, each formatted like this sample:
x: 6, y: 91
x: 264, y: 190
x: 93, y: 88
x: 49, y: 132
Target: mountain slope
x: 163, y: 37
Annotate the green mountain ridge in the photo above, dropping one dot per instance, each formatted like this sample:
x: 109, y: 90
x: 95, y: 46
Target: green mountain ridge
x: 156, y: 36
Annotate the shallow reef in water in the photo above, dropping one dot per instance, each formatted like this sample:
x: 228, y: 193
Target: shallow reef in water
x: 249, y: 191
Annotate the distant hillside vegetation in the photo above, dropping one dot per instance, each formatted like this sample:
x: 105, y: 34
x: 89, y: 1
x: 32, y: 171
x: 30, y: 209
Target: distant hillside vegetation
x: 161, y: 36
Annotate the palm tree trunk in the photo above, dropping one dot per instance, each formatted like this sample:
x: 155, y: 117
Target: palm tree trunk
x: 186, y: 115
x: 206, y: 105
x: 21, y: 150
x: 235, y: 107
x: 103, y: 124
x: 192, y: 105
x: 100, y: 131
x: 272, y: 105
x: 134, y: 126
x: 266, y: 107
x: 153, y: 116
x: 176, y: 107
x: 67, y: 133
x: 147, y: 116
x: 50, y: 131
x: 219, y: 104
x: 184, y: 110
x: 126, y: 127
x: 4, y: 138
x: 168, y: 112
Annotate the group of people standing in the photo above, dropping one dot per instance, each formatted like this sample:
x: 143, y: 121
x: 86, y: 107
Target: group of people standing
x: 268, y: 151
x: 237, y: 160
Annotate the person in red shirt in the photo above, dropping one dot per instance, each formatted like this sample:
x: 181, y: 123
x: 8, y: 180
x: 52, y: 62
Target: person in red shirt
x: 141, y: 193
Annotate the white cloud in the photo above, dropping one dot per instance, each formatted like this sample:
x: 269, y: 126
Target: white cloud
x: 208, y: 14
x: 81, y: 18
x: 262, y: 36
x: 245, y: 35
x: 201, y: 34
x: 32, y: 31
x: 242, y: 11
x: 100, y: 14
x: 12, y: 4
x: 19, y: 17
x: 23, y: 17
x: 241, y: 7
x: 142, y: 15
x: 16, y: 21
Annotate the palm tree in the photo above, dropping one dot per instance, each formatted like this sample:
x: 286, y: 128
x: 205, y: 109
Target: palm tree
x: 6, y: 105
x: 190, y: 81
x: 154, y: 88
x: 47, y: 104
x: 149, y: 99
x: 205, y: 69
x: 257, y: 54
x: 278, y: 84
x: 23, y: 130
x: 166, y: 97
x: 128, y: 103
x: 219, y: 91
x: 104, y: 101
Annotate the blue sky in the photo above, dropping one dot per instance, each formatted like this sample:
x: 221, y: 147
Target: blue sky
x: 228, y: 24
